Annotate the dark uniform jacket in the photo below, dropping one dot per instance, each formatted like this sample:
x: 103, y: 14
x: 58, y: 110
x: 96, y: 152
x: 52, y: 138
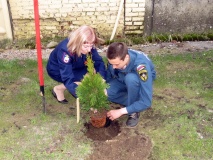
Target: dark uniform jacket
x: 143, y: 67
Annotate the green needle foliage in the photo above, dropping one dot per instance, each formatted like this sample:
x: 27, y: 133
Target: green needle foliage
x: 91, y: 90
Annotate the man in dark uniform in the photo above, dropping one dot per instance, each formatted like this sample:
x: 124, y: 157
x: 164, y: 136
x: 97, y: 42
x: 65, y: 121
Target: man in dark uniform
x: 130, y: 74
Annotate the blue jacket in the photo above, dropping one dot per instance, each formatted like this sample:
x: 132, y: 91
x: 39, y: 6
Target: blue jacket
x: 139, y: 62
x: 66, y: 67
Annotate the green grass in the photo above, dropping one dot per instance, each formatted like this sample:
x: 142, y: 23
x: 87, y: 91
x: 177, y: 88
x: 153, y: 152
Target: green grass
x: 27, y: 133
x: 180, y: 123
x: 183, y: 107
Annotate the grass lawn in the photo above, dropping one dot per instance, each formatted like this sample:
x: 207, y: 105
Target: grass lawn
x: 180, y: 123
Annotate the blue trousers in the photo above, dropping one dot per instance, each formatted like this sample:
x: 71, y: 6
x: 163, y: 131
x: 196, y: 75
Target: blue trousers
x: 125, y: 91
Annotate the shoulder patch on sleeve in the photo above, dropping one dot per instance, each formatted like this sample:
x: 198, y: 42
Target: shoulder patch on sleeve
x: 65, y: 58
x: 142, y: 72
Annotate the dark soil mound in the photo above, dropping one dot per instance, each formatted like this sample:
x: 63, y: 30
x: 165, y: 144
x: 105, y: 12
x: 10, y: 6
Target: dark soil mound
x: 116, y: 143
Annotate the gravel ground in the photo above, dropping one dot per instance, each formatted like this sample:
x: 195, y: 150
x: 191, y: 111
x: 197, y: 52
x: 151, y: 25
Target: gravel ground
x: 159, y: 48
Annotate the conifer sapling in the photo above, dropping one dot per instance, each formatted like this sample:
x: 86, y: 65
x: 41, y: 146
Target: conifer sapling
x: 91, y: 90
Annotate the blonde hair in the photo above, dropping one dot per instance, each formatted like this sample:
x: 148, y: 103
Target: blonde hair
x: 82, y: 35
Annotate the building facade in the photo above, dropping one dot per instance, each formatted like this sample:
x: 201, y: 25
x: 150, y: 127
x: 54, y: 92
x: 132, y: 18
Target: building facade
x: 59, y: 17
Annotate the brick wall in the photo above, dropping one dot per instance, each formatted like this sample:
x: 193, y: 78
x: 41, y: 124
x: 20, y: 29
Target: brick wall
x: 59, y: 17
x: 134, y: 16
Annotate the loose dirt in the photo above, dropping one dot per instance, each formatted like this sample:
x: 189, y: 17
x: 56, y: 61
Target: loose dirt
x: 118, y: 142
x: 124, y: 146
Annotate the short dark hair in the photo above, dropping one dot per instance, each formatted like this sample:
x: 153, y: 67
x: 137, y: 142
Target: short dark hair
x: 117, y: 49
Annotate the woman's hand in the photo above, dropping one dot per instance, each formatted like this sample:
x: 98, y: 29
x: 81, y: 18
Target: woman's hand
x: 105, y: 92
x: 78, y: 83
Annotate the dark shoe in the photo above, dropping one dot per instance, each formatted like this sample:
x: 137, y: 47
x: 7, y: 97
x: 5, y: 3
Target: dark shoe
x: 63, y: 101
x: 133, y: 119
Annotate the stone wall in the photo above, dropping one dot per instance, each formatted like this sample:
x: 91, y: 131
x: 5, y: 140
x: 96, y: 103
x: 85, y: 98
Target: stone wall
x: 59, y: 17
x: 178, y: 16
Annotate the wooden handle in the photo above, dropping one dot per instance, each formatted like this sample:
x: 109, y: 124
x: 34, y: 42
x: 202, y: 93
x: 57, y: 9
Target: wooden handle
x: 78, y: 109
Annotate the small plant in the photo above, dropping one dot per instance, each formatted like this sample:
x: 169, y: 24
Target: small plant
x: 91, y: 90
x: 92, y: 97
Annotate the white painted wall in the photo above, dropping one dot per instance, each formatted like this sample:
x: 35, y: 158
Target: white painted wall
x: 5, y: 26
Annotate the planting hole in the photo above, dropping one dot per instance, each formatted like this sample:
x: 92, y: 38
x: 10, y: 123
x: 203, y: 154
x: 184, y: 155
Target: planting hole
x: 102, y: 134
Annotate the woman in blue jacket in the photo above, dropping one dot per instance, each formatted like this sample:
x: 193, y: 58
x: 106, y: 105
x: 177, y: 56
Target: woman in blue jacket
x: 67, y: 62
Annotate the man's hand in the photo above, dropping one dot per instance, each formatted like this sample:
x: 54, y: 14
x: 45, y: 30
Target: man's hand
x: 114, y: 114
